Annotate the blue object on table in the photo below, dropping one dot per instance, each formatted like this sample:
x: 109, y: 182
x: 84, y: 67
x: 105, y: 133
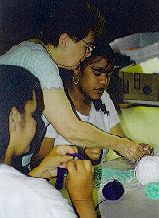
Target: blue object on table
x: 113, y: 190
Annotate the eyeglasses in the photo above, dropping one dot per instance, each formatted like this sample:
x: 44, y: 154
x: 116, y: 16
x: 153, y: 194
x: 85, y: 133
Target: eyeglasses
x: 89, y: 47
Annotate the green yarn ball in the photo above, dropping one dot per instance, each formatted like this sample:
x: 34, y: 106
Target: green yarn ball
x: 151, y: 190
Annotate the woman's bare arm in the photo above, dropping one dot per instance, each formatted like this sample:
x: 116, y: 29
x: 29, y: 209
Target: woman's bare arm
x: 59, y: 113
x: 56, y: 157
x: 117, y: 130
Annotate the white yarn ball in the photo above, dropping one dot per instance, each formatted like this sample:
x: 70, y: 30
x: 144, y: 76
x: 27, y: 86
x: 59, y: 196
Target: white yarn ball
x: 147, y: 170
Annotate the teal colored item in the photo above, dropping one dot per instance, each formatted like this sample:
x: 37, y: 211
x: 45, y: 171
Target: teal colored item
x: 105, y: 175
x: 151, y: 190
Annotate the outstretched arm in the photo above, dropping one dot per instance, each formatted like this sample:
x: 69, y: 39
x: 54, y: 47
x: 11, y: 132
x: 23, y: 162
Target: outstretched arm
x: 59, y: 113
x: 117, y: 130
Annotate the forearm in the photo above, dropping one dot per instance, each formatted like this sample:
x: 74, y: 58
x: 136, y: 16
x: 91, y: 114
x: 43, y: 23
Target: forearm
x: 117, y: 130
x: 77, y: 132
x: 85, y: 208
x: 57, y: 157
x: 39, y: 172
x: 36, y: 172
x: 45, y: 148
x: 85, y: 134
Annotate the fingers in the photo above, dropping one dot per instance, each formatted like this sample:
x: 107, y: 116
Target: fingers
x: 79, y: 181
x: 134, y: 151
x: 139, y: 151
x: 88, y: 166
x: 93, y: 153
x: 93, y: 150
x: 70, y: 166
x: 63, y: 159
x: 79, y: 165
x: 148, y: 149
x: 64, y: 149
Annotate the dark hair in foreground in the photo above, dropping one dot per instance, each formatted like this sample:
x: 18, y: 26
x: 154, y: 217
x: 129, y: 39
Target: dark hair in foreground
x: 74, y: 17
x: 16, y: 88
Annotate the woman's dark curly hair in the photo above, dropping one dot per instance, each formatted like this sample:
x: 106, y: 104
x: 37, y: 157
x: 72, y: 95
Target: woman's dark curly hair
x: 74, y: 17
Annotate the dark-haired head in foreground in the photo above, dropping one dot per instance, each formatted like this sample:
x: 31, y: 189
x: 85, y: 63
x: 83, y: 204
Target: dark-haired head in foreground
x: 21, y: 103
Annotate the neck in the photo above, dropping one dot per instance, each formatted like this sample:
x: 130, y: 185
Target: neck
x: 81, y: 104
x: 57, y: 55
x: 8, y: 155
x: 54, y: 52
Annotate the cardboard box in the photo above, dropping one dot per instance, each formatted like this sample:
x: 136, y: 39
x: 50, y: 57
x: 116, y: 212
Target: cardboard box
x: 140, y: 87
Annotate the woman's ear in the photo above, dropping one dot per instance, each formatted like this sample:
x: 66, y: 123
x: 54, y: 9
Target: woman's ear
x: 64, y: 40
x: 14, y: 119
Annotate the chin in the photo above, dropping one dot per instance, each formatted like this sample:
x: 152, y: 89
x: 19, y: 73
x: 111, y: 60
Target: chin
x: 96, y: 97
x: 74, y: 67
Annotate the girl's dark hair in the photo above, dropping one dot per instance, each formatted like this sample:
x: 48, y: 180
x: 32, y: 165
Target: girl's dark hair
x: 117, y: 61
x: 16, y: 88
x: 102, y: 50
x: 74, y: 17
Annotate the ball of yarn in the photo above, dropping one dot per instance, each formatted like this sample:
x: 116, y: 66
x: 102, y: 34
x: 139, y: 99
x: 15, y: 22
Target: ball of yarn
x: 61, y: 173
x: 147, y: 170
x: 151, y: 191
x: 113, y: 190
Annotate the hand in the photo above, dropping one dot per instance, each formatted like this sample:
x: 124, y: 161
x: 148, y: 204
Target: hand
x: 79, y: 181
x: 93, y: 153
x: 149, y: 150
x: 56, y: 158
x: 134, y: 151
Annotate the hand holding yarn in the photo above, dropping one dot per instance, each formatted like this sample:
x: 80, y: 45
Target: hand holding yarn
x: 56, y: 158
x: 62, y: 173
x: 133, y: 151
x: 148, y: 149
x: 93, y: 153
x: 79, y: 181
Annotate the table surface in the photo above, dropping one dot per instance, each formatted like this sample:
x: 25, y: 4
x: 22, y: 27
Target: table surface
x: 133, y: 204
